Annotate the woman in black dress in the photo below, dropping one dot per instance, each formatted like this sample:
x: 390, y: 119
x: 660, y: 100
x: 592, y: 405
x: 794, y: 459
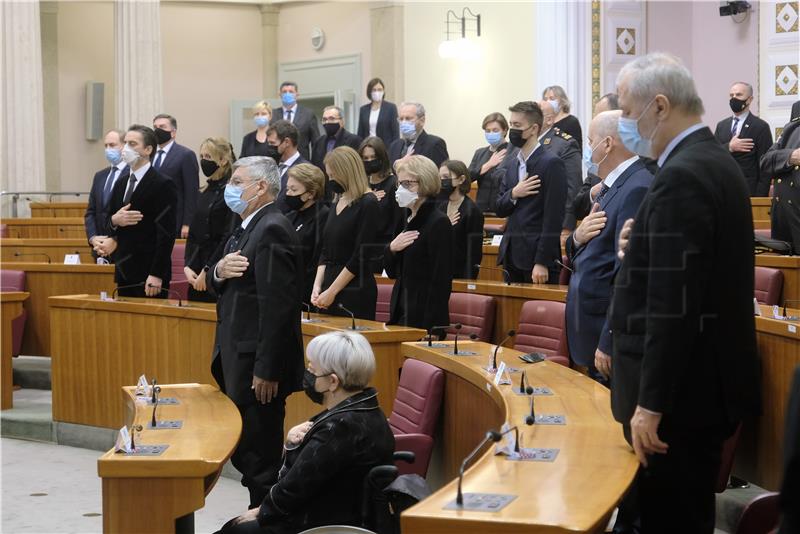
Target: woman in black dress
x: 563, y: 121
x: 466, y: 218
x: 212, y: 219
x: 488, y: 163
x: 349, y: 246
x: 255, y: 143
x: 383, y: 185
x: 305, y: 189
x: 420, y: 258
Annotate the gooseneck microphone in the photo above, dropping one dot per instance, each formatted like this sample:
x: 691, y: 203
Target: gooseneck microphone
x: 130, y: 286
x: 509, y: 335
x: 531, y: 418
x: 307, y: 306
x: 170, y: 292
x: 153, y: 394
x: 156, y: 391
x: 351, y: 314
x: 457, y: 326
x: 20, y: 254
x: 558, y: 262
x: 785, y: 302
x: 433, y: 329
x: 506, y: 276
x: 490, y: 436
x: 522, y: 382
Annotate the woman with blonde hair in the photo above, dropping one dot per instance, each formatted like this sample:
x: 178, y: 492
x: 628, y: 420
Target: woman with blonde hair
x: 344, y: 276
x: 255, y: 143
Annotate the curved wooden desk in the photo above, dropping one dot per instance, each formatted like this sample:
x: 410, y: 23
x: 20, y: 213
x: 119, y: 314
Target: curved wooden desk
x: 11, y: 302
x: 46, y: 227
x: 149, y: 493
x: 575, y: 493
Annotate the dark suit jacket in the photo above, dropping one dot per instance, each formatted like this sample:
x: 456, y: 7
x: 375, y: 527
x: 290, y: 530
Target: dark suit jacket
x: 533, y: 227
x: 280, y: 202
x: 489, y: 183
x: 430, y: 146
x: 95, y: 220
x: 582, y: 204
x: 387, y: 128
x: 567, y: 148
x: 467, y: 238
x: 342, y: 138
x: 258, y: 314
x: 145, y: 248
x: 759, y: 131
x: 306, y: 123
x: 594, y: 265
x: 785, y: 214
x: 180, y: 164
x: 795, y: 111
x: 790, y: 488
x: 682, y: 313
x: 212, y: 224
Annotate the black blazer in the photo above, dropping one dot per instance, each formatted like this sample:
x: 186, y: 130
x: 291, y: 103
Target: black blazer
x: 252, y: 147
x: 582, y: 204
x: 180, y: 164
x: 145, y: 248
x: 567, y: 148
x: 430, y: 146
x: 307, y: 125
x: 759, y: 131
x: 571, y: 125
x: 785, y: 213
x: 387, y: 128
x: 212, y: 224
x: 423, y: 272
x: 258, y: 314
x: 95, y: 219
x: 489, y: 183
x: 309, y: 225
x: 682, y: 313
x: 342, y: 138
x: 795, y: 111
x: 467, y: 238
x: 321, y: 481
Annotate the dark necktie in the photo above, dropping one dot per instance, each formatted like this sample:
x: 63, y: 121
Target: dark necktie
x: 233, y: 240
x: 109, y: 186
x: 289, y: 118
x: 603, y: 190
x: 733, y: 127
x: 129, y: 191
x: 159, y: 159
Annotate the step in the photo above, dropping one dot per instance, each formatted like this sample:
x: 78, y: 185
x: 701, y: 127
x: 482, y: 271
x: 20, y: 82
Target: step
x: 32, y: 372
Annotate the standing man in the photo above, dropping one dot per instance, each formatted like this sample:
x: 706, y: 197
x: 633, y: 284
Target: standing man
x: 747, y: 137
x: 282, y: 137
x: 532, y: 195
x: 684, y: 366
x: 141, y: 231
x: 258, y: 349
x: 303, y: 118
x: 414, y: 140
x: 335, y: 135
x: 782, y: 162
x: 96, y: 217
x: 180, y: 164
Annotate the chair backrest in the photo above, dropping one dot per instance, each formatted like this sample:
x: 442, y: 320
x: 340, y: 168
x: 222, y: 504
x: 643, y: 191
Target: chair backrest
x: 12, y: 280
x: 418, y: 399
x: 383, y: 304
x: 541, y: 328
x: 475, y: 313
x: 763, y: 232
x: 179, y: 283
x: 563, y: 276
x: 3, y: 230
x: 768, y: 286
x: 760, y: 515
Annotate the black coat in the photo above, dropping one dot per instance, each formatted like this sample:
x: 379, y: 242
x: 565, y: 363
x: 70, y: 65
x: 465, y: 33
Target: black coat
x: 489, y: 183
x: 423, y: 272
x: 96, y: 217
x: 785, y: 215
x: 682, y: 312
x: 322, y: 479
x: 252, y: 146
x: 145, y: 248
x: 258, y: 314
x: 387, y: 128
x: 307, y: 126
x: 309, y: 225
x: 430, y: 146
x: 212, y: 224
x: 180, y: 164
x: 795, y: 111
x: 342, y: 138
x: 571, y: 125
x: 390, y: 214
x: 568, y: 149
x: 467, y: 239
x: 759, y: 131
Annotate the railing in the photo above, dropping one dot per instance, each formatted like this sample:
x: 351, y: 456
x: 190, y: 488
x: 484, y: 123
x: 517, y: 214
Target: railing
x: 15, y: 196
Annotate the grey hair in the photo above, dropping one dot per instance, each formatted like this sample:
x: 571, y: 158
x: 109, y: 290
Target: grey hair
x: 420, y: 108
x: 605, y: 124
x: 262, y: 169
x: 665, y: 74
x: 560, y: 95
x: 347, y: 354
x: 749, y: 87
x: 337, y: 108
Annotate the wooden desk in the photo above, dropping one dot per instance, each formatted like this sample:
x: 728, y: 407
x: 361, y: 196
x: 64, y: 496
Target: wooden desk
x: 38, y: 250
x: 58, y: 209
x: 575, y: 493
x: 11, y: 302
x: 148, y: 493
x: 762, y: 207
x: 489, y: 259
x: 790, y: 265
x: 46, y: 228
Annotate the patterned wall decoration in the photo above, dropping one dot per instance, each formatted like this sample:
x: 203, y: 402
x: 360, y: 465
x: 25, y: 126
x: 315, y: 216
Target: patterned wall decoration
x: 785, y: 80
x: 622, y: 39
x: 779, y: 42
x: 786, y: 16
x: 595, y: 51
x: 626, y: 41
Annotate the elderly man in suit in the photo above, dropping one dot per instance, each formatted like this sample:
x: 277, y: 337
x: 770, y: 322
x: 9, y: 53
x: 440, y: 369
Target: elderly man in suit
x: 335, y: 135
x: 303, y: 118
x: 747, y: 137
x: 96, y: 217
x: 258, y: 349
x: 414, y: 140
x: 180, y: 164
x: 684, y: 365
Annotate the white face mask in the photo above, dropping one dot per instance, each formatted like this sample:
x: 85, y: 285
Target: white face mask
x: 129, y: 155
x: 405, y: 197
x: 377, y: 96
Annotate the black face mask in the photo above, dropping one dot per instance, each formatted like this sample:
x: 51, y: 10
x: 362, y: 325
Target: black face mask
x: 515, y: 137
x: 272, y: 152
x: 309, y: 381
x: 373, y: 166
x: 737, y: 105
x: 447, y: 186
x: 294, y: 202
x: 331, y: 128
x: 336, y: 187
x: 209, y: 167
x: 162, y: 136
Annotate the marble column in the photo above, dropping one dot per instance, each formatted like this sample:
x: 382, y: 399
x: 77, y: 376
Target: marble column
x: 270, y: 15
x: 388, y: 56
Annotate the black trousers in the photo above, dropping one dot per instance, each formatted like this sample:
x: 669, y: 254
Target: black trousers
x: 517, y: 276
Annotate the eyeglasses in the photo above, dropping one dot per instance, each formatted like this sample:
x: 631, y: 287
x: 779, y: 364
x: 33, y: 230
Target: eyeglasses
x: 328, y: 120
x: 408, y: 183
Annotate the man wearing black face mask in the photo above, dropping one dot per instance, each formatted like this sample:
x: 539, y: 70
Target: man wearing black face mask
x: 335, y: 135
x: 747, y: 137
x: 283, y: 136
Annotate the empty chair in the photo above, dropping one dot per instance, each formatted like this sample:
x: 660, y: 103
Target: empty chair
x: 179, y: 282
x: 415, y: 412
x: 566, y: 271
x: 760, y: 515
x: 475, y: 313
x: 763, y: 232
x: 768, y: 286
x: 541, y: 329
x: 383, y: 304
x: 15, y: 281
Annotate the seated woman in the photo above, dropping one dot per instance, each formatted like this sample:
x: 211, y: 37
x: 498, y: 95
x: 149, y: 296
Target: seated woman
x: 466, y: 218
x: 327, y: 458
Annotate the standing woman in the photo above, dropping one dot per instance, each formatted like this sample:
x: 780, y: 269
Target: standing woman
x: 383, y: 185
x: 212, y: 219
x: 466, y: 218
x: 488, y: 163
x: 345, y: 272
x: 379, y: 117
x: 561, y: 105
x: 420, y: 258
x: 255, y: 143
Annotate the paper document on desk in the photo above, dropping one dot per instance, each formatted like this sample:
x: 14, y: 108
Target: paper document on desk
x: 123, y: 443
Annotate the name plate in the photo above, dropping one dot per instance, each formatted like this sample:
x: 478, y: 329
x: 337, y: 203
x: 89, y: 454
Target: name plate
x: 146, y: 450
x: 526, y: 454
x: 482, y: 502
x: 165, y: 425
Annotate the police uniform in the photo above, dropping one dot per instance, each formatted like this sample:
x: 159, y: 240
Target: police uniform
x: 786, y: 197
x: 566, y: 147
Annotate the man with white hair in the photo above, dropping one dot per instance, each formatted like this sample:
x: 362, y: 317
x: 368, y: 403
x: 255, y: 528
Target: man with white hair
x: 258, y: 350
x: 685, y: 368
x: 414, y: 140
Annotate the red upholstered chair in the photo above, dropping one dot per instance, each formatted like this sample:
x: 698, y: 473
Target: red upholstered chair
x: 383, y: 304
x: 542, y: 329
x: 563, y: 276
x: 3, y: 230
x: 760, y: 515
x: 475, y: 313
x: 15, y: 281
x: 726, y: 462
x: 763, y: 232
x: 769, y: 285
x: 179, y: 282
x: 415, y: 412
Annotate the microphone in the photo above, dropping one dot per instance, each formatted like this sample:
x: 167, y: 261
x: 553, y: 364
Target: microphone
x: 457, y: 326
x: 114, y: 293
x: 156, y: 391
x: 506, y: 276
x: 509, y: 335
x: 134, y: 430
x: 490, y: 436
x: 308, y: 310
x: 432, y: 329
x: 19, y: 254
x: 530, y: 419
x: 153, y: 392
x: 169, y: 292
x: 351, y: 314
x: 522, y: 382
x: 785, y: 302
x: 558, y: 262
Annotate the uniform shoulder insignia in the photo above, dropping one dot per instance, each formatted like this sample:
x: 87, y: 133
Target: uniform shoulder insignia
x: 547, y: 141
x: 565, y: 135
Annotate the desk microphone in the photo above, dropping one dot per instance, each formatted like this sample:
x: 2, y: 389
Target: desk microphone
x: 351, y: 314
x: 506, y: 276
x: 433, y: 329
x: 19, y: 254
x: 558, y: 262
x: 530, y: 419
x: 156, y: 390
x: 522, y: 382
x: 509, y: 335
x: 114, y: 293
x: 307, y: 306
x: 785, y: 302
x: 169, y: 292
x: 153, y: 392
x: 457, y: 328
x: 490, y: 436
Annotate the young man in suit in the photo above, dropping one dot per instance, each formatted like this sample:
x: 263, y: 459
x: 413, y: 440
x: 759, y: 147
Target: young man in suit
x: 414, y: 140
x: 141, y: 231
x: 282, y: 136
x: 532, y: 196
x: 96, y: 217
x: 258, y: 349
x: 180, y: 164
x: 684, y: 368
x: 335, y: 135
x: 303, y: 118
x: 747, y: 137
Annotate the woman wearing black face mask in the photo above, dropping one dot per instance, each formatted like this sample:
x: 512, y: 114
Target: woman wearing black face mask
x: 383, y: 185
x: 212, y: 219
x: 464, y: 215
x: 327, y: 458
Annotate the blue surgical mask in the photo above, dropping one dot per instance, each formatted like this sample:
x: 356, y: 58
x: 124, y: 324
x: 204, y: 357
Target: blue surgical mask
x: 261, y: 121
x: 556, y: 106
x: 494, y: 138
x: 631, y: 137
x: 288, y: 99
x: 113, y: 155
x: 591, y: 166
x: 408, y: 129
x: 233, y: 198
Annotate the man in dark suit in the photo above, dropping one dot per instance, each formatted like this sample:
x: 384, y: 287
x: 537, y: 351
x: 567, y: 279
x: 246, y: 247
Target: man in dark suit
x: 532, y: 196
x: 747, y: 137
x: 180, y: 164
x: 96, y: 217
x: 335, y: 135
x: 141, y: 231
x: 282, y: 136
x: 782, y: 163
x: 414, y: 140
x: 258, y: 349
x: 303, y: 118
x: 684, y: 367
